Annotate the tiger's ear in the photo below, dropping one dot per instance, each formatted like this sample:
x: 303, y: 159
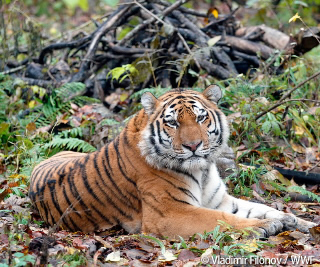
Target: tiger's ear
x: 213, y: 93
x: 149, y: 102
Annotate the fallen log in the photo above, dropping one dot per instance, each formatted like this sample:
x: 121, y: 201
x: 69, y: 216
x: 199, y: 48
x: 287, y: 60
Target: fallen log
x: 269, y: 36
x: 249, y: 47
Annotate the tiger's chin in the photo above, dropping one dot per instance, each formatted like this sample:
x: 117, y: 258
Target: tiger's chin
x: 190, y: 164
x: 194, y: 163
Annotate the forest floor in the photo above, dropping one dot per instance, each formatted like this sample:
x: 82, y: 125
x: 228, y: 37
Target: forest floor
x: 278, y: 155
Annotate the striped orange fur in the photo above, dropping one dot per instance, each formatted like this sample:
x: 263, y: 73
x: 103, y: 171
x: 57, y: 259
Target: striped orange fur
x: 159, y: 175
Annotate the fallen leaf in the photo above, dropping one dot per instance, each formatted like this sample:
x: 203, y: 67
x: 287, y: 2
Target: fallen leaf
x: 167, y: 256
x: 258, y: 197
x: 315, y: 232
x: 214, y: 40
x: 113, y: 256
x: 31, y: 127
x: 250, y: 245
x: 186, y: 254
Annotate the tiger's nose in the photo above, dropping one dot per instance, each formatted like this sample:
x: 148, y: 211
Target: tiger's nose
x: 193, y: 145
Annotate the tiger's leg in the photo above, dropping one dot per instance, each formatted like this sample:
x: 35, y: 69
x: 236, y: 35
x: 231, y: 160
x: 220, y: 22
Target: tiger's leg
x: 246, y: 209
x: 186, y: 220
x: 217, y: 198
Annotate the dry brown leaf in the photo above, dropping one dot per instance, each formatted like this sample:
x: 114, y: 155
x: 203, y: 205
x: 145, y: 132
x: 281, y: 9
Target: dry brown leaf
x: 258, y: 197
x: 31, y: 127
x: 315, y: 232
x: 297, y: 148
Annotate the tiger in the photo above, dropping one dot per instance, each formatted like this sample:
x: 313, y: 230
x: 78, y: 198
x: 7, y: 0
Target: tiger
x: 159, y: 175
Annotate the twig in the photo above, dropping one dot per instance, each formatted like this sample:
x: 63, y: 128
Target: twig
x: 267, y: 66
x: 183, y: 9
x: 175, y: 30
x: 313, y: 167
x: 113, y: 20
x: 220, y: 20
x: 127, y: 50
x: 13, y: 70
x: 202, y: 37
x: 42, y: 83
x: 299, y: 85
x: 144, y: 24
x: 283, y: 102
x: 188, y: 49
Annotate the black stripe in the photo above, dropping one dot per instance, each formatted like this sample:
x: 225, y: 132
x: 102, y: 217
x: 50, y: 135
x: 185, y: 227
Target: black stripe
x: 189, y: 175
x: 158, y: 131
x: 188, y: 193
x: 235, y: 207
x: 126, y: 201
x: 265, y: 214
x: 101, y: 215
x: 152, y: 130
x: 106, y: 153
x: 75, y: 192
x: 154, y: 208
x: 70, y: 173
x: 60, y: 174
x: 215, y: 192
x: 249, y: 212
x: 117, y: 188
x: 214, y: 118
x: 119, y: 158
x: 86, y: 182
x: 54, y: 198
x: 176, y: 199
x: 69, y: 203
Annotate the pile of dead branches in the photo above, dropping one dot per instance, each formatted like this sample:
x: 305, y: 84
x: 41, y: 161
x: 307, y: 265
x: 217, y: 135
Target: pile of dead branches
x: 167, y: 44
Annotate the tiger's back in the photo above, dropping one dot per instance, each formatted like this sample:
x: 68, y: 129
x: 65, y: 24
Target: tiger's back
x: 87, y: 192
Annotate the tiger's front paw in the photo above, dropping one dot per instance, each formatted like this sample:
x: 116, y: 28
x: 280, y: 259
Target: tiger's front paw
x: 304, y: 225
x: 291, y: 222
x: 268, y: 227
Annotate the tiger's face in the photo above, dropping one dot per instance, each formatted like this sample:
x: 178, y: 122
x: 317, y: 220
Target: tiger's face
x: 185, y: 131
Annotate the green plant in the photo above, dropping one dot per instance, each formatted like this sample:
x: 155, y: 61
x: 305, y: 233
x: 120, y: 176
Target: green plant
x: 125, y: 71
x: 303, y: 191
x: 75, y: 259
x: 59, y: 144
x: 20, y: 259
x: 244, y: 178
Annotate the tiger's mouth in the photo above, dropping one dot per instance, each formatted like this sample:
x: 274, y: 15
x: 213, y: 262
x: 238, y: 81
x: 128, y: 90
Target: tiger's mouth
x: 193, y: 155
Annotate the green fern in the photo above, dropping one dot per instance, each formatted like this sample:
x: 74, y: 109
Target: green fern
x: 70, y: 144
x: 59, y: 103
x: 109, y: 122
x: 6, y: 84
x: 303, y: 191
x: 70, y: 90
x: 297, y: 189
x: 277, y: 186
x: 83, y: 100
x: 73, y: 133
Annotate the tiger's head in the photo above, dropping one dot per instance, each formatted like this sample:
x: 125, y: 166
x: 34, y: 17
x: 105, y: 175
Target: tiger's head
x: 185, y: 129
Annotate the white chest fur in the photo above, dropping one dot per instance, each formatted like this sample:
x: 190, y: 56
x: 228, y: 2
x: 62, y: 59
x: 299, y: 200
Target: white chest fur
x: 211, y: 188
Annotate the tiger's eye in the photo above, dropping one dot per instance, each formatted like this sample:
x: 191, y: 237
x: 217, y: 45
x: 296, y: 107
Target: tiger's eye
x: 201, y: 118
x: 172, y: 122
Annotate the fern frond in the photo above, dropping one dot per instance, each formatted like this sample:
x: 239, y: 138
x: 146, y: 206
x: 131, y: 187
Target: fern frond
x: 109, y: 122
x: 83, y: 100
x: 303, y: 191
x: 70, y: 90
x: 277, y: 186
x: 70, y: 144
x: 74, y: 132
